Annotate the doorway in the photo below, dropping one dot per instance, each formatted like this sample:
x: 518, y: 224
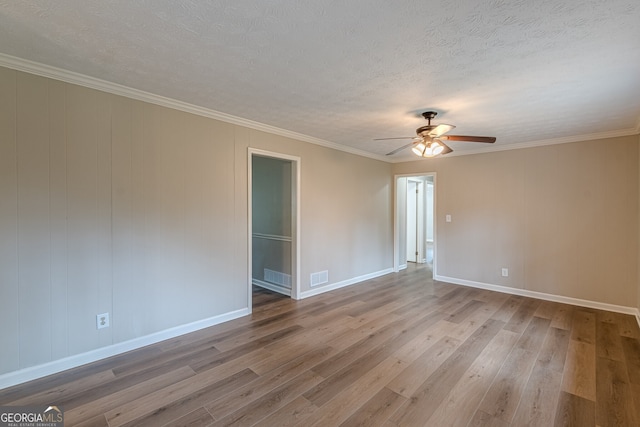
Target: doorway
x: 273, y: 223
x: 414, y: 221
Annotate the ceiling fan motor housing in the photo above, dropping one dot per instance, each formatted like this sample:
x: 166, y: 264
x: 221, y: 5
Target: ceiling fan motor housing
x: 429, y: 115
x: 424, y: 130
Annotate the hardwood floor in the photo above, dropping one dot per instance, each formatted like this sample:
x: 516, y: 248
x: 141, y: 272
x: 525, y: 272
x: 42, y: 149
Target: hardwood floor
x: 399, y: 350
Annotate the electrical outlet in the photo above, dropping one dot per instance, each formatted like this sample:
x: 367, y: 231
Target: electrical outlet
x: 505, y: 272
x: 102, y: 320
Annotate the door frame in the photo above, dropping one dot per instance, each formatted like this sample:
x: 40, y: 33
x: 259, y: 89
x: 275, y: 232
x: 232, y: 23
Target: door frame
x: 420, y: 218
x: 398, y: 210
x: 295, y: 219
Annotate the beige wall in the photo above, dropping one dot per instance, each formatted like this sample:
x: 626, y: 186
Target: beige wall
x: 562, y: 218
x: 108, y: 204
x: 346, y: 208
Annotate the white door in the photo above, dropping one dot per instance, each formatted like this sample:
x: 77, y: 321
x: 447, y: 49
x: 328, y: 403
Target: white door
x: 415, y: 221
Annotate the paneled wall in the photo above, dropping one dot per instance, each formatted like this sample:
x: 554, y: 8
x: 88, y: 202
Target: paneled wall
x: 563, y: 218
x: 109, y: 204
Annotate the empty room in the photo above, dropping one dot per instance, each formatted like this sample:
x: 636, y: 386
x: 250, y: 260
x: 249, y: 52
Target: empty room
x: 297, y: 213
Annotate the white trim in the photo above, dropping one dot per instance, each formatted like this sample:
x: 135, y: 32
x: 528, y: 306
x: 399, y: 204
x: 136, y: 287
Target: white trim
x: 402, y: 266
x: 486, y: 148
x: 55, y: 73
x: 39, y: 371
x: 295, y: 224
x: 638, y: 316
x: 539, y: 295
x: 272, y: 287
x: 348, y: 282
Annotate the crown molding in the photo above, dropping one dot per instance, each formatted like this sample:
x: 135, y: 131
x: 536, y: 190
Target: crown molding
x: 55, y: 73
x: 538, y: 143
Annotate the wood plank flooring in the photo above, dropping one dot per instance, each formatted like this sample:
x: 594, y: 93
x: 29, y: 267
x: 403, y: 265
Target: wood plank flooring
x: 399, y: 350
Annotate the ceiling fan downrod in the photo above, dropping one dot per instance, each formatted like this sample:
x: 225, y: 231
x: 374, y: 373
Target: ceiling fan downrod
x: 429, y: 115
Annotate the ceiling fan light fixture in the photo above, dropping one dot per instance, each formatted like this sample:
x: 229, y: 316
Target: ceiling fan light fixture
x: 430, y: 149
x: 436, y: 147
x: 419, y: 149
x: 428, y: 142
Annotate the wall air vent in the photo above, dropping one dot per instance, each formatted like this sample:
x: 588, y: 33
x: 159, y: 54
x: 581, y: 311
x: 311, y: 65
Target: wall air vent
x: 319, y: 278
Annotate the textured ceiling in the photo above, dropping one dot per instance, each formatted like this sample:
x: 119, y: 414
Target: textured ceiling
x: 349, y: 72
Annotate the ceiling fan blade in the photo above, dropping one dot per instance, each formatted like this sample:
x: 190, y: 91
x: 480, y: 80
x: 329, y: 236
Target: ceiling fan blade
x: 401, y: 148
x: 446, y: 150
x: 400, y: 137
x: 466, y: 138
x: 440, y: 130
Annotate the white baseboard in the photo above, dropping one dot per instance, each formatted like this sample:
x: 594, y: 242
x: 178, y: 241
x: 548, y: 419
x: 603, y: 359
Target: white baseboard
x: 348, y: 282
x: 638, y: 316
x: 27, y: 374
x: 541, y: 295
x: 272, y: 287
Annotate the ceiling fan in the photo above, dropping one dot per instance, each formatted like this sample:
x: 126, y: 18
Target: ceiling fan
x: 429, y: 142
